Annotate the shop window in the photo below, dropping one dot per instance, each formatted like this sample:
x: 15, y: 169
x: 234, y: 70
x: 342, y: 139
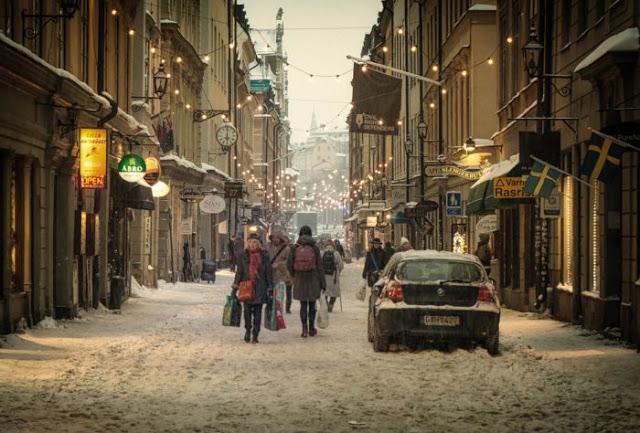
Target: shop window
x: 567, y: 232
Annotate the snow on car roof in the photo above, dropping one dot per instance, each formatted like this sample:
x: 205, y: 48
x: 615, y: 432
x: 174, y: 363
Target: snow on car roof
x: 429, y: 255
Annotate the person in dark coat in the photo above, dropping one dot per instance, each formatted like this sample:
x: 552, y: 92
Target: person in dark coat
x: 375, y: 262
x: 232, y: 253
x: 254, y: 264
x: 307, y: 284
x: 339, y: 248
x: 388, y: 251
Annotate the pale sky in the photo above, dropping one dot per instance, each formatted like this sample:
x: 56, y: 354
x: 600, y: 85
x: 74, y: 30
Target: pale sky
x: 318, y: 51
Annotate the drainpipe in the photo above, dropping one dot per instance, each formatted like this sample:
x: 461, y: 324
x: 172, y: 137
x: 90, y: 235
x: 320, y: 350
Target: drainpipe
x: 112, y: 113
x: 102, y: 21
x: 440, y: 127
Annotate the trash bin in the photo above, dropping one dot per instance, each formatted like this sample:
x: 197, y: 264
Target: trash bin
x: 208, y: 273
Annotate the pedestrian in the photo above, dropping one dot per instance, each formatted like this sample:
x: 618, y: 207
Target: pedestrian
x: 388, y: 250
x: 332, y: 266
x: 254, y: 265
x: 187, y: 268
x: 405, y: 245
x: 306, y: 271
x: 279, y: 248
x: 339, y: 248
x: 483, y: 252
x: 232, y: 253
x: 374, y: 263
x: 238, y: 248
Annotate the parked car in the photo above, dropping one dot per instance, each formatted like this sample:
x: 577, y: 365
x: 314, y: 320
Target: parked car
x: 436, y: 296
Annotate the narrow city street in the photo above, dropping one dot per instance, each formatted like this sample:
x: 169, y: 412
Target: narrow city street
x: 166, y: 364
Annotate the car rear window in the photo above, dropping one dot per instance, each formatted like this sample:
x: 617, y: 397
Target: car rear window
x: 440, y: 270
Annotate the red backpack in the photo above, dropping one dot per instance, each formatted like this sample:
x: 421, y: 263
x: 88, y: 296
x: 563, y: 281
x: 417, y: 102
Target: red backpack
x: 304, y: 259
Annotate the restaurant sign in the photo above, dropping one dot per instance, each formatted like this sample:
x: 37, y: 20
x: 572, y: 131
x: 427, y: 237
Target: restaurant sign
x: 452, y: 170
x: 93, y: 158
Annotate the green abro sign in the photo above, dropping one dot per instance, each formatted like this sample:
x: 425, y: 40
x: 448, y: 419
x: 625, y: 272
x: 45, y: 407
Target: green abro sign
x: 132, y: 167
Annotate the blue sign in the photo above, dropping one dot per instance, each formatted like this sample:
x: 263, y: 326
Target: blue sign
x: 260, y: 86
x: 454, y: 203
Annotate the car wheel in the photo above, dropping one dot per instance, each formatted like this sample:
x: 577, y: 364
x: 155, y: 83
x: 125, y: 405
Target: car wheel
x: 380, y: 343
x: 492, y: 344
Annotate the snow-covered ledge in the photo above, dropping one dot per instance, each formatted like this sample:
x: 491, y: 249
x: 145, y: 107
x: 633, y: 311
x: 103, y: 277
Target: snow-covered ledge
x: 627, y: 40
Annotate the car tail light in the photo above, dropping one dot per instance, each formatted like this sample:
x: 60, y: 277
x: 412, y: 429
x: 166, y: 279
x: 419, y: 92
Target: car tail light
x: 395, y: 292
x: 484, y: 294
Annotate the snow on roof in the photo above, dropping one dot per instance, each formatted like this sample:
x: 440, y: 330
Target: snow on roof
x: 209, y: 167
x: 482, y: 7
x: 499, y: 169
x: 165, y: 21
x: 434, y: 254
x: 626, y: 40
x: 183, y: 162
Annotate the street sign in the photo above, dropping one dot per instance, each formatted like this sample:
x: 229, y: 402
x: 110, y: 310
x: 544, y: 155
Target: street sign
x: 452, y: 170
x: 551, y: 207
x: 509, y: 188
x: 454, y: 203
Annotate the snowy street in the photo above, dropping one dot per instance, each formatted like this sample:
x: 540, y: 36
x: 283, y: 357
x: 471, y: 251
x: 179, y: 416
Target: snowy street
x: 166, y: 364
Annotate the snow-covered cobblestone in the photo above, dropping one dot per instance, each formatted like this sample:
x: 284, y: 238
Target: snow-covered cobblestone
x: 166, y: 364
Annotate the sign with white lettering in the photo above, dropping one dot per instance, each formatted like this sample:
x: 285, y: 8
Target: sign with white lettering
x: 487, y: 224
x: 451, y: 170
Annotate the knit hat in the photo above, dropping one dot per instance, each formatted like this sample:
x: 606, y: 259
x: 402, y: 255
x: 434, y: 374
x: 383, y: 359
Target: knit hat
x: 404, y: 240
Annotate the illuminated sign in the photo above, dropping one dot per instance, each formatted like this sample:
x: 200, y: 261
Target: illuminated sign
x: 509, y: 188
x: 153, y: 170
x: 132, y: 167
x: 93, y: 158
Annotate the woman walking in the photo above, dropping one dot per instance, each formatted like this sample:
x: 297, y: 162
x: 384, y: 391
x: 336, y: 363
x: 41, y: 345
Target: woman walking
x: 332, y: 266
x: 254, y: 265
x: 279, y: 252
x: 306, y: 271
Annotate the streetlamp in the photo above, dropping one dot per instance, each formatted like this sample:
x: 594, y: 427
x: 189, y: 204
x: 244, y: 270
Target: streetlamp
x: 422, y: 130
x: 160, y: 81
x: 469, y: 145
x: 408, y: 146
x: 531, y: 52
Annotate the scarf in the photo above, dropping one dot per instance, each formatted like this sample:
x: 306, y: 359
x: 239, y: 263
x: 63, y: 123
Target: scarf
x: 255, y: 260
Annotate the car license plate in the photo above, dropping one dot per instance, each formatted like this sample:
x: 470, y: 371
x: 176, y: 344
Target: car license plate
x: 441, y: 320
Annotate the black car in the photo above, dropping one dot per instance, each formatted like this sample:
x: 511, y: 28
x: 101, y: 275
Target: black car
x: 436, y: 296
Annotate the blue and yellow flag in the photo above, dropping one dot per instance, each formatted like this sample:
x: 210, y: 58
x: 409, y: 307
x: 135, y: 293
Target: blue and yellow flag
x: 541, y: 180
x: 603, y: 159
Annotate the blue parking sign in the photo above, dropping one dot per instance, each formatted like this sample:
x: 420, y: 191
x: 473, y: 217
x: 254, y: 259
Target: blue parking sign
x: 454, y: 203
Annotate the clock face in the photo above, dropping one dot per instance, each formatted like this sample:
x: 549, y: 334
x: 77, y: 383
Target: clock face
x: 227, y: 135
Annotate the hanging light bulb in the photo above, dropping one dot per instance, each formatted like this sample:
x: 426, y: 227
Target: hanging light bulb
x: 364, y: 68
x: 490, y: 61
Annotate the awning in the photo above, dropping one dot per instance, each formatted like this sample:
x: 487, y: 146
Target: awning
x: 351, y: 219
x: 399, y: 218
x: 481, y: 199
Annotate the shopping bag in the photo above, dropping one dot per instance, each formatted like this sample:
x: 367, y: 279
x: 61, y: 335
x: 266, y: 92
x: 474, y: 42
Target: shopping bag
x: 278, y: 295
x: 231, y: 312
x: 270, y: 316
x: 247, y: 291
x: 362, y: 291
x: 323, y: 313
x: 236, y: 313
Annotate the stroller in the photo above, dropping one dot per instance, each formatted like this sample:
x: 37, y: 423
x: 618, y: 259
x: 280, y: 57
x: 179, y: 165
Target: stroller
x: 208, y: 273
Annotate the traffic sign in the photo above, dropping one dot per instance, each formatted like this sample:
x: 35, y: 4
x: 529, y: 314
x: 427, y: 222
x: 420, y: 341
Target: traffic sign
x: 454, y: 203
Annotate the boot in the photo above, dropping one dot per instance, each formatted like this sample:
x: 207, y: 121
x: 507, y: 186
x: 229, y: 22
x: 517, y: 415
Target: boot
x: 254, y: 338
x: 305, y: 331
x: 247, y: 335
x: 312, y: 332
x: 330, y: 307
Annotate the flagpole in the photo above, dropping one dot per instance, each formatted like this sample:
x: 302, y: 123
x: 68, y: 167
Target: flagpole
x: 398, y: 71
x: 561, y: 171
x: 614, y: 139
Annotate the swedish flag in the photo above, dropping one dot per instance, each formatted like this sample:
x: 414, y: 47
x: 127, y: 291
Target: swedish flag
x: 541, y: 180
x: 603, y: 159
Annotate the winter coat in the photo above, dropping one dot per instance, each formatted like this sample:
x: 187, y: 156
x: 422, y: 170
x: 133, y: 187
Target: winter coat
x: 279, y: 254
x: 388, y: 252
x: 380, y: 260
x: 264, y: 282
x: 332, y: 282
x: 340, y: 249
x: 307, y: 285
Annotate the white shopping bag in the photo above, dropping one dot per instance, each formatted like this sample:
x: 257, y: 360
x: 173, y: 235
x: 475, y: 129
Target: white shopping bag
x: 323, y: 313
x: 362, y: 291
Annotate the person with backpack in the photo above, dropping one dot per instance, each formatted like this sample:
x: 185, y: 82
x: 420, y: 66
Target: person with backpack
x: 305, y: 268
x: 279, y: 248
x: 332, y: 267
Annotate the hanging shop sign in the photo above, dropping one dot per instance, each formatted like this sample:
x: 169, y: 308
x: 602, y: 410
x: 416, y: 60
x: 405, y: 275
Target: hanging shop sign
x: 233, y: 189
x: 372, y: 221
x: 212, y: 204
x: 160, y: 189
x: 93, y: 158
x: 551, y: 207
x: 452, y: 170
x: 191, y: 195
x: 132, y: 167
x: 509, y: 188
x: 376, y: 102
x: 152, y: 174
x: 487, y: 224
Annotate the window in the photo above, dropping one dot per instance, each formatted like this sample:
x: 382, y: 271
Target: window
x: 440, y: 270
x: 515, y: 47
x: 583, y: 15
x: 504, y: 33
x: 566, y: 21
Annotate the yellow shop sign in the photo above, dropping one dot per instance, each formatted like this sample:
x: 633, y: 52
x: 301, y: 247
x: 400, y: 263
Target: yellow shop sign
x: 509, y: 188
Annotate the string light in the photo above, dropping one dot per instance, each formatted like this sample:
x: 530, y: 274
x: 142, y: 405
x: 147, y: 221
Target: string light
x: 414, y: 48
x: 432, y: 105
x: 509, y: 40
x: 464, y: 73
x: 364, y: 68
x: 400, y: 31
x: 178, y: 59
x: 207, y: 58
x: 490, y: 61
x: 434, y: 68
x: 132, y: 32
x: 177, y: 91
x: 187, y: 106
x: 385, y: 49
x: 114, y: 12
x: 153, y: 50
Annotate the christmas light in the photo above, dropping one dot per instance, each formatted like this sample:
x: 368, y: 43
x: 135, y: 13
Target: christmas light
x: 490, y: 61
x: 178, y: 59
x: 114, y: 12
x: 132, y: 32
x: 509, y: 40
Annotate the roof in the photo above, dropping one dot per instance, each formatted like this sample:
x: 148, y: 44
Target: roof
x: 626, y: 40
x: 183, y: 162
x: 211, y: 168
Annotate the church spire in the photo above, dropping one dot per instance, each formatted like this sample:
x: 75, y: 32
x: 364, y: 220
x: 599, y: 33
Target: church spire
x: 314, y: 122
